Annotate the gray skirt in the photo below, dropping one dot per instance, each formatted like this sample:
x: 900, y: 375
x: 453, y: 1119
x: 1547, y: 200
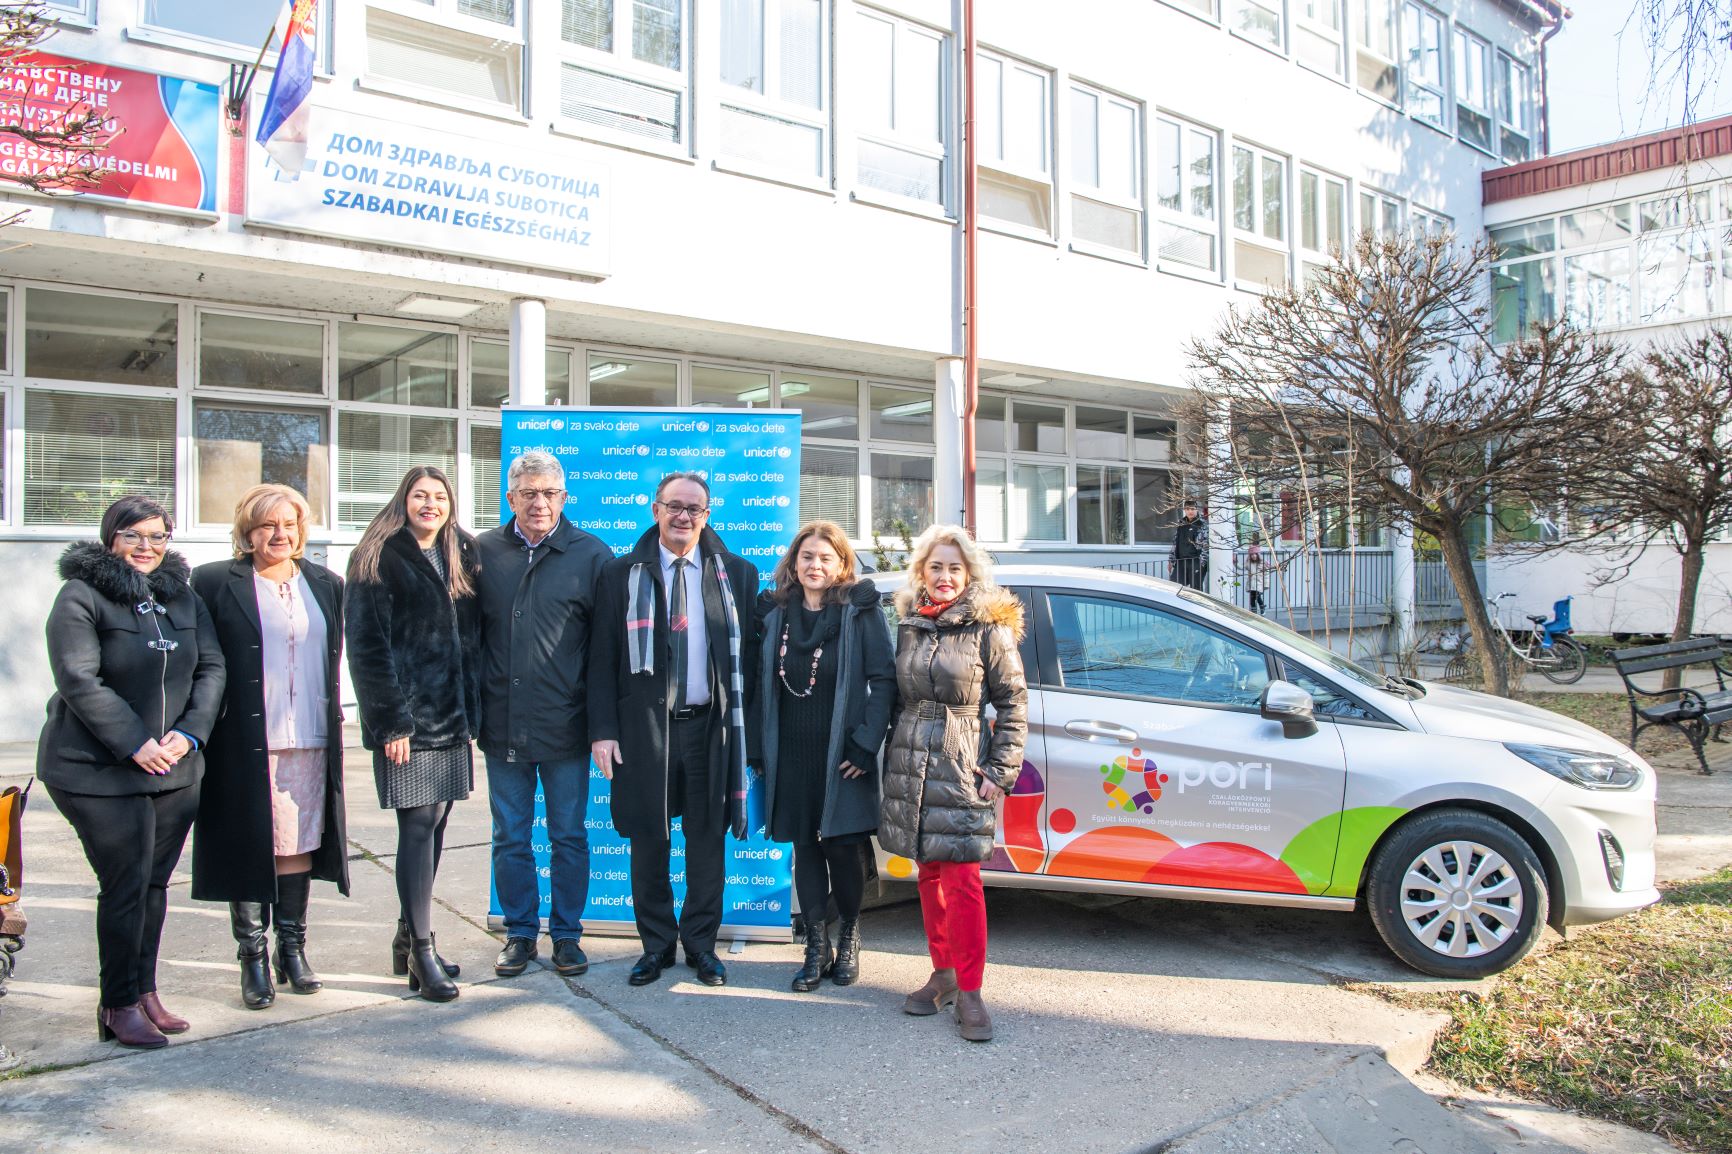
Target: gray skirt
x: 430, y: 775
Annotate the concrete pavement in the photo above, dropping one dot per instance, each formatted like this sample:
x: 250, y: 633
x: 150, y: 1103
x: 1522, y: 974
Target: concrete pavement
x: 1123, y: 1025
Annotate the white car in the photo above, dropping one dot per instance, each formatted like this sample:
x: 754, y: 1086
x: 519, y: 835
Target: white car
x: 1180, y: 747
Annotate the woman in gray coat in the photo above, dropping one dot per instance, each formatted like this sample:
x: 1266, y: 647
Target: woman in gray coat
x: 956, y: 652
x: 828, y: 684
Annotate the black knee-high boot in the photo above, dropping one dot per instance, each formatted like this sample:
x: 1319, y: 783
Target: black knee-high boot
x: 290, y: 915
x: 247, y: 920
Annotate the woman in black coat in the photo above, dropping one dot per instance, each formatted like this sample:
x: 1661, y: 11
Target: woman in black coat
x: 271, y: 814
x: 414, y: 655
x: 138, y: 679
x: 828, y: 686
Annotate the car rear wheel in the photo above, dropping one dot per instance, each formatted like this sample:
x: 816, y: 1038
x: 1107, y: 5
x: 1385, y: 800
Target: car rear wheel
x: 1457, y: 894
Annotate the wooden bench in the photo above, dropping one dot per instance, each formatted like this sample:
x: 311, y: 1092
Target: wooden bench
x: 1696, y: 710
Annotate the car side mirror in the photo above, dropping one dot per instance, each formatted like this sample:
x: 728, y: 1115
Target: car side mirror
x: 1285, y: 702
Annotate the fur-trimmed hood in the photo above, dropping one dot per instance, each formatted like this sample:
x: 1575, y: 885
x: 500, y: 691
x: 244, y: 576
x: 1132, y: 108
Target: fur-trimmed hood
x: 988, y: 605
x: 110, y: 574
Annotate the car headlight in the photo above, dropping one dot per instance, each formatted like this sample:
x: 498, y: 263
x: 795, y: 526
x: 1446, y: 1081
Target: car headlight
x: 1579, y: 767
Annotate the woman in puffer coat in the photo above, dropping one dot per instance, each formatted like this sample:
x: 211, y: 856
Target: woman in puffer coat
x: 956, y: 652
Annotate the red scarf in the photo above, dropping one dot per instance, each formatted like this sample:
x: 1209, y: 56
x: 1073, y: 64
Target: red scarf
x: 930, y: 608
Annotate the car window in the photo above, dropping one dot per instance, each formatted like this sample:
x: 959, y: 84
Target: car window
x: 1132, y: 647
x: 1327, y: 701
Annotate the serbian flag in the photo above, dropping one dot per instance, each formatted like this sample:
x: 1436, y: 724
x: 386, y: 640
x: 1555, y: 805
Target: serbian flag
x: 283, y: 125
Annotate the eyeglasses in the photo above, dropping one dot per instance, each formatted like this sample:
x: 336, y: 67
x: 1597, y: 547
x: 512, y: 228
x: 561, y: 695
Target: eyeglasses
x: 133, y: 539
x: 679, y: 512
x: 551, y: 496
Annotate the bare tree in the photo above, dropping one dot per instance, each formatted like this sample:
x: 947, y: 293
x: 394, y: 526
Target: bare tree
x: 1688, y: 43
x: 1376, y: 388
x: 69, y: 139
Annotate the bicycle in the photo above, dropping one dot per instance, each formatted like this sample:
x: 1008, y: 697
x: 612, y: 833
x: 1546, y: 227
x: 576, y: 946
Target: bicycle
x: 1550, y: 650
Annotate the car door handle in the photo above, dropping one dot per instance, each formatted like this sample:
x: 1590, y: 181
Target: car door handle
x: 1100, y: 731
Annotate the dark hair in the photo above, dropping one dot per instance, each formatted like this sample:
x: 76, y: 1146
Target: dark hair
x: 129, y: 511
x: 394, y: 518
x: 785, y: 581
x: 697, y: 479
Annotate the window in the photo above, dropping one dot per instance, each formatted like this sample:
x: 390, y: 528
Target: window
x: 774, y: 84
x: 1322, y: 218
x: 1258, y: 20
x: 490, y: 375
x: 243, y: 23
x: 718, y: 388
x: 1379, y: 213
x: 1524, y: 282
x: 396, y: 366
x: 1155, y: 511
x: 76, y: 9
x: 5, y: 334
x: 1038, y: 489
x: 115, y: 340
x: 901, y: 491
x: 374, y: 450
x: 1106, y: 645
x: 901, y: 414
x: 454, y: 60
x: 83, y: 452
x: 625, y: 66
x: 248, y: 352
x: 1473, y: 100
x: 1013, y: 109
x: 1597, y: 288
x: 1426, y: 223
x: 1202, y: 7
x: 1514, y: 109
x: 900, y: 77
x: 1103, y: 514
x: 991, y: 476
x: 632, y: 382
x: 829, y: 406
x: 1185, y: 193
x: 830, y: 487
x: 1425, y: 66
x: 1106, y: 149
x: 1317, y: 35
x: 1259, y: 216
x: 484, y: 476
x: 1677, y: 275
x: 1374, y: 52
x: 238, y: 447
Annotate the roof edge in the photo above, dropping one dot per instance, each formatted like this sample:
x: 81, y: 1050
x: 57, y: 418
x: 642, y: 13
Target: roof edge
x: 1667, y: 148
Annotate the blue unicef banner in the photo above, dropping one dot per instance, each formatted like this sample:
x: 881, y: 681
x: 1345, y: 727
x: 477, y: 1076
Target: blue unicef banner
x: 613, y: 459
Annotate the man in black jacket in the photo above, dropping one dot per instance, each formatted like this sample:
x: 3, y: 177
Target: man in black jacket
x: 671, y: 677
x: 1191, y: 549
x: 538, y: 579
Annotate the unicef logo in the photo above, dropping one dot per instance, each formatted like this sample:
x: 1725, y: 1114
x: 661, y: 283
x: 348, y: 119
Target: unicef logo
x: 703, y: 426
x: 775, y: 854
x: 643, y: 450
x: 784, y: 451
x: 556, y: 423
x: 774, y: 905
x: 642, y: 498
x: 783, y: 502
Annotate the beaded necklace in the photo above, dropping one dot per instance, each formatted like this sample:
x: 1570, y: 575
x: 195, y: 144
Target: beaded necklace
x: 782, y: 665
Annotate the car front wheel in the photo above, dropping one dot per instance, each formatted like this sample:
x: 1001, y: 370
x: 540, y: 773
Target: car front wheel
x: 1457, y: 894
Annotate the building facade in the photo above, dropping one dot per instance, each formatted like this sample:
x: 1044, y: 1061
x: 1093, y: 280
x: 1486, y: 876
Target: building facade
x: 708, y: 202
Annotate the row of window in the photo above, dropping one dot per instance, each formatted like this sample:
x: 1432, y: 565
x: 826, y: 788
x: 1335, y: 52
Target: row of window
x: 103, y: 389
x: 1649, y: 260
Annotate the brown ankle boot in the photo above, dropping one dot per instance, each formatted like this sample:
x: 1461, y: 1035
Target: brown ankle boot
x: 128, y: 1026
x: 972, y: 1020
x: 159, y: 1015
x: 938, y: 992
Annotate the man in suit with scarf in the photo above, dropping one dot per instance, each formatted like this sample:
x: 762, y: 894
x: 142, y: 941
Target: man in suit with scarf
x: 673, y: 661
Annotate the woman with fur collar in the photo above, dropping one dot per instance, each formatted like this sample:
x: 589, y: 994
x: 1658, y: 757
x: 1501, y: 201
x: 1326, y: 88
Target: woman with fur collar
x: 944, y: 770
x: 138, y: 680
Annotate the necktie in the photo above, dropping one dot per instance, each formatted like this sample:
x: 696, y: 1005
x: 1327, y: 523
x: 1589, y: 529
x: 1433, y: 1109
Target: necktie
x: 677, y: 623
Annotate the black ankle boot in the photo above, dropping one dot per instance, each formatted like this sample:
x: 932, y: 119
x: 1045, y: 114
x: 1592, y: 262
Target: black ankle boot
x: 290, y: 916
x: 400, y: 952
x: 847, y: 969
x: 818, y: 958
x: 426, y: 976
x: 247, y: 920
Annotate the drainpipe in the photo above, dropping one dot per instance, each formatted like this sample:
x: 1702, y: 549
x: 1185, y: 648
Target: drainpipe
x: 1545, y: 148
x: 970, y: 273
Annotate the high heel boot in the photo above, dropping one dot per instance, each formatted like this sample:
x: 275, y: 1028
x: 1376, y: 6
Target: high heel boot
x: 847, y: 969
x: 247, y: 920
x: 400, y: 952
x: 426, y: 976
x: 290, y: 916
x: 819, y: 957
x: 129, y: 1026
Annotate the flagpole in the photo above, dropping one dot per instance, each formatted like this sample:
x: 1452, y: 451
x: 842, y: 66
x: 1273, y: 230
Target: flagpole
x: 240, y: 87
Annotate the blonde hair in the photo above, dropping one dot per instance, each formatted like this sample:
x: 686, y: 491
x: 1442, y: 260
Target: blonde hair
x: 975, y: 559
x: 260, y: 502
x: 785, y: 581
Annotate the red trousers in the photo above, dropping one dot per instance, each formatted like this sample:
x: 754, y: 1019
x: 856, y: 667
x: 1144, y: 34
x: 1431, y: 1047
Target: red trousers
x: 953, y: 906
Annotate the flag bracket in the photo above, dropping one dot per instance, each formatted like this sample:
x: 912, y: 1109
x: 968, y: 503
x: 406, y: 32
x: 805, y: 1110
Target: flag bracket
x: 240, y: 85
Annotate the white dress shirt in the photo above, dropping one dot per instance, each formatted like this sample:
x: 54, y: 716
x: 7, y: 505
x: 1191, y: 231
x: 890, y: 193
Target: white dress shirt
x: 697, y: 639
x: 293, y: 634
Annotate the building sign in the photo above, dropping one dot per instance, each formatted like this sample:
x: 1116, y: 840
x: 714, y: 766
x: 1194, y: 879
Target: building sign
x: 165, y: 153
x: 613, y: 459
x: 385, y: 182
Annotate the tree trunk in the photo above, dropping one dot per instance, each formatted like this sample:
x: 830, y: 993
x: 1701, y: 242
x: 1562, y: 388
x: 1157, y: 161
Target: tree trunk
x: 1689, y: 580
x: 1458, y: 559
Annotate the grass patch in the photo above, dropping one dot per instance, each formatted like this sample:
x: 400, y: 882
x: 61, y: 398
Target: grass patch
x: 1629, y: 1021
x: 1610, y: 714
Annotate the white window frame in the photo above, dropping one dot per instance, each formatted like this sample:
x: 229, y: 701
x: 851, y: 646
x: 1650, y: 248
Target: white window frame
x: 1275, y: 8
x: 1209, y: 10
x: 1515, y: 109
x: 1426, y: 223
x: 1256, y: 236
x: 1083, y: 190
x: 1380, y: 203
x: 1367, y: 56
x: 913, y: 146
x: 995, y: 168
x: 620, y: 64
x: 432, y: 21
x: 770, y: 104
x: 445, y: 14
x: 1184, y: 217
x: 1414, y: 18
x: 1469, y: 103
x: 81, y: 12
x: 1305, y: 24
x: 1310, y: 257
x: 141, y: 29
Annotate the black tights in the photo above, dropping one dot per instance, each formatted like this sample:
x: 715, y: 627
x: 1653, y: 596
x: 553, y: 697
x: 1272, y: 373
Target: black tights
x: 826, y: 868
x: 420, y: 843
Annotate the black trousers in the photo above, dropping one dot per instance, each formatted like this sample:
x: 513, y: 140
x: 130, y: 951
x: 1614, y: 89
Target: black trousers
x: 133, y: 844
x: 652, y: 891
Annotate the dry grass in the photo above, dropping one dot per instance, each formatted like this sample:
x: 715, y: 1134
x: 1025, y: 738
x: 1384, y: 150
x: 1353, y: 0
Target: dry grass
x: 1609, y: 713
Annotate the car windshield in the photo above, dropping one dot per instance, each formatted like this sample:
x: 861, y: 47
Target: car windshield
x: 1281, y: 633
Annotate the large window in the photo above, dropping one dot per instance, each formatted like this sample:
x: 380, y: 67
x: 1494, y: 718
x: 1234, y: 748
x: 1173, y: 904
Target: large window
x: 1106, y: 149
x: 460, y: 51
x: 899, y: 70
x: 1318, y: 39
x: 1375, y: 49
x: 1013, y: 108
x: 774, y: 85
x: 1103, y: 497
x: 901, y: 491
x: 1380, y: 214
x: 1322, y: 218
x: 83, y: 452
x: 1258, y: 20
x: 484, y: 476
x: 1259, y: 216
x: 1473, y: 97
x: 624, y: 73
x: 114, y: 340
x: 829, y: 455
x: 1185, y: 193
x: 1426, y: 74
x: 490, y: 375
x: 1514, y: 109
x: 619, y: 380
x: 1524, y: 281
x: 255, y: 352
x: 241, y: 446
x: 374, y: 450
x: 241, y: 23
x: 396, y: 366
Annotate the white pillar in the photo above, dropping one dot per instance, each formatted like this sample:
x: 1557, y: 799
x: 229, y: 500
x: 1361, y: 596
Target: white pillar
x: 528, y: 381
x: 948, y: 388
x: 1223, y: 528
x: 1403, y: 583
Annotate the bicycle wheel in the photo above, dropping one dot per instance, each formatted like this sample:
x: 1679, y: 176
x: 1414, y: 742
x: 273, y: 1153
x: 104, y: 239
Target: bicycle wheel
x: 1569, y: 661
